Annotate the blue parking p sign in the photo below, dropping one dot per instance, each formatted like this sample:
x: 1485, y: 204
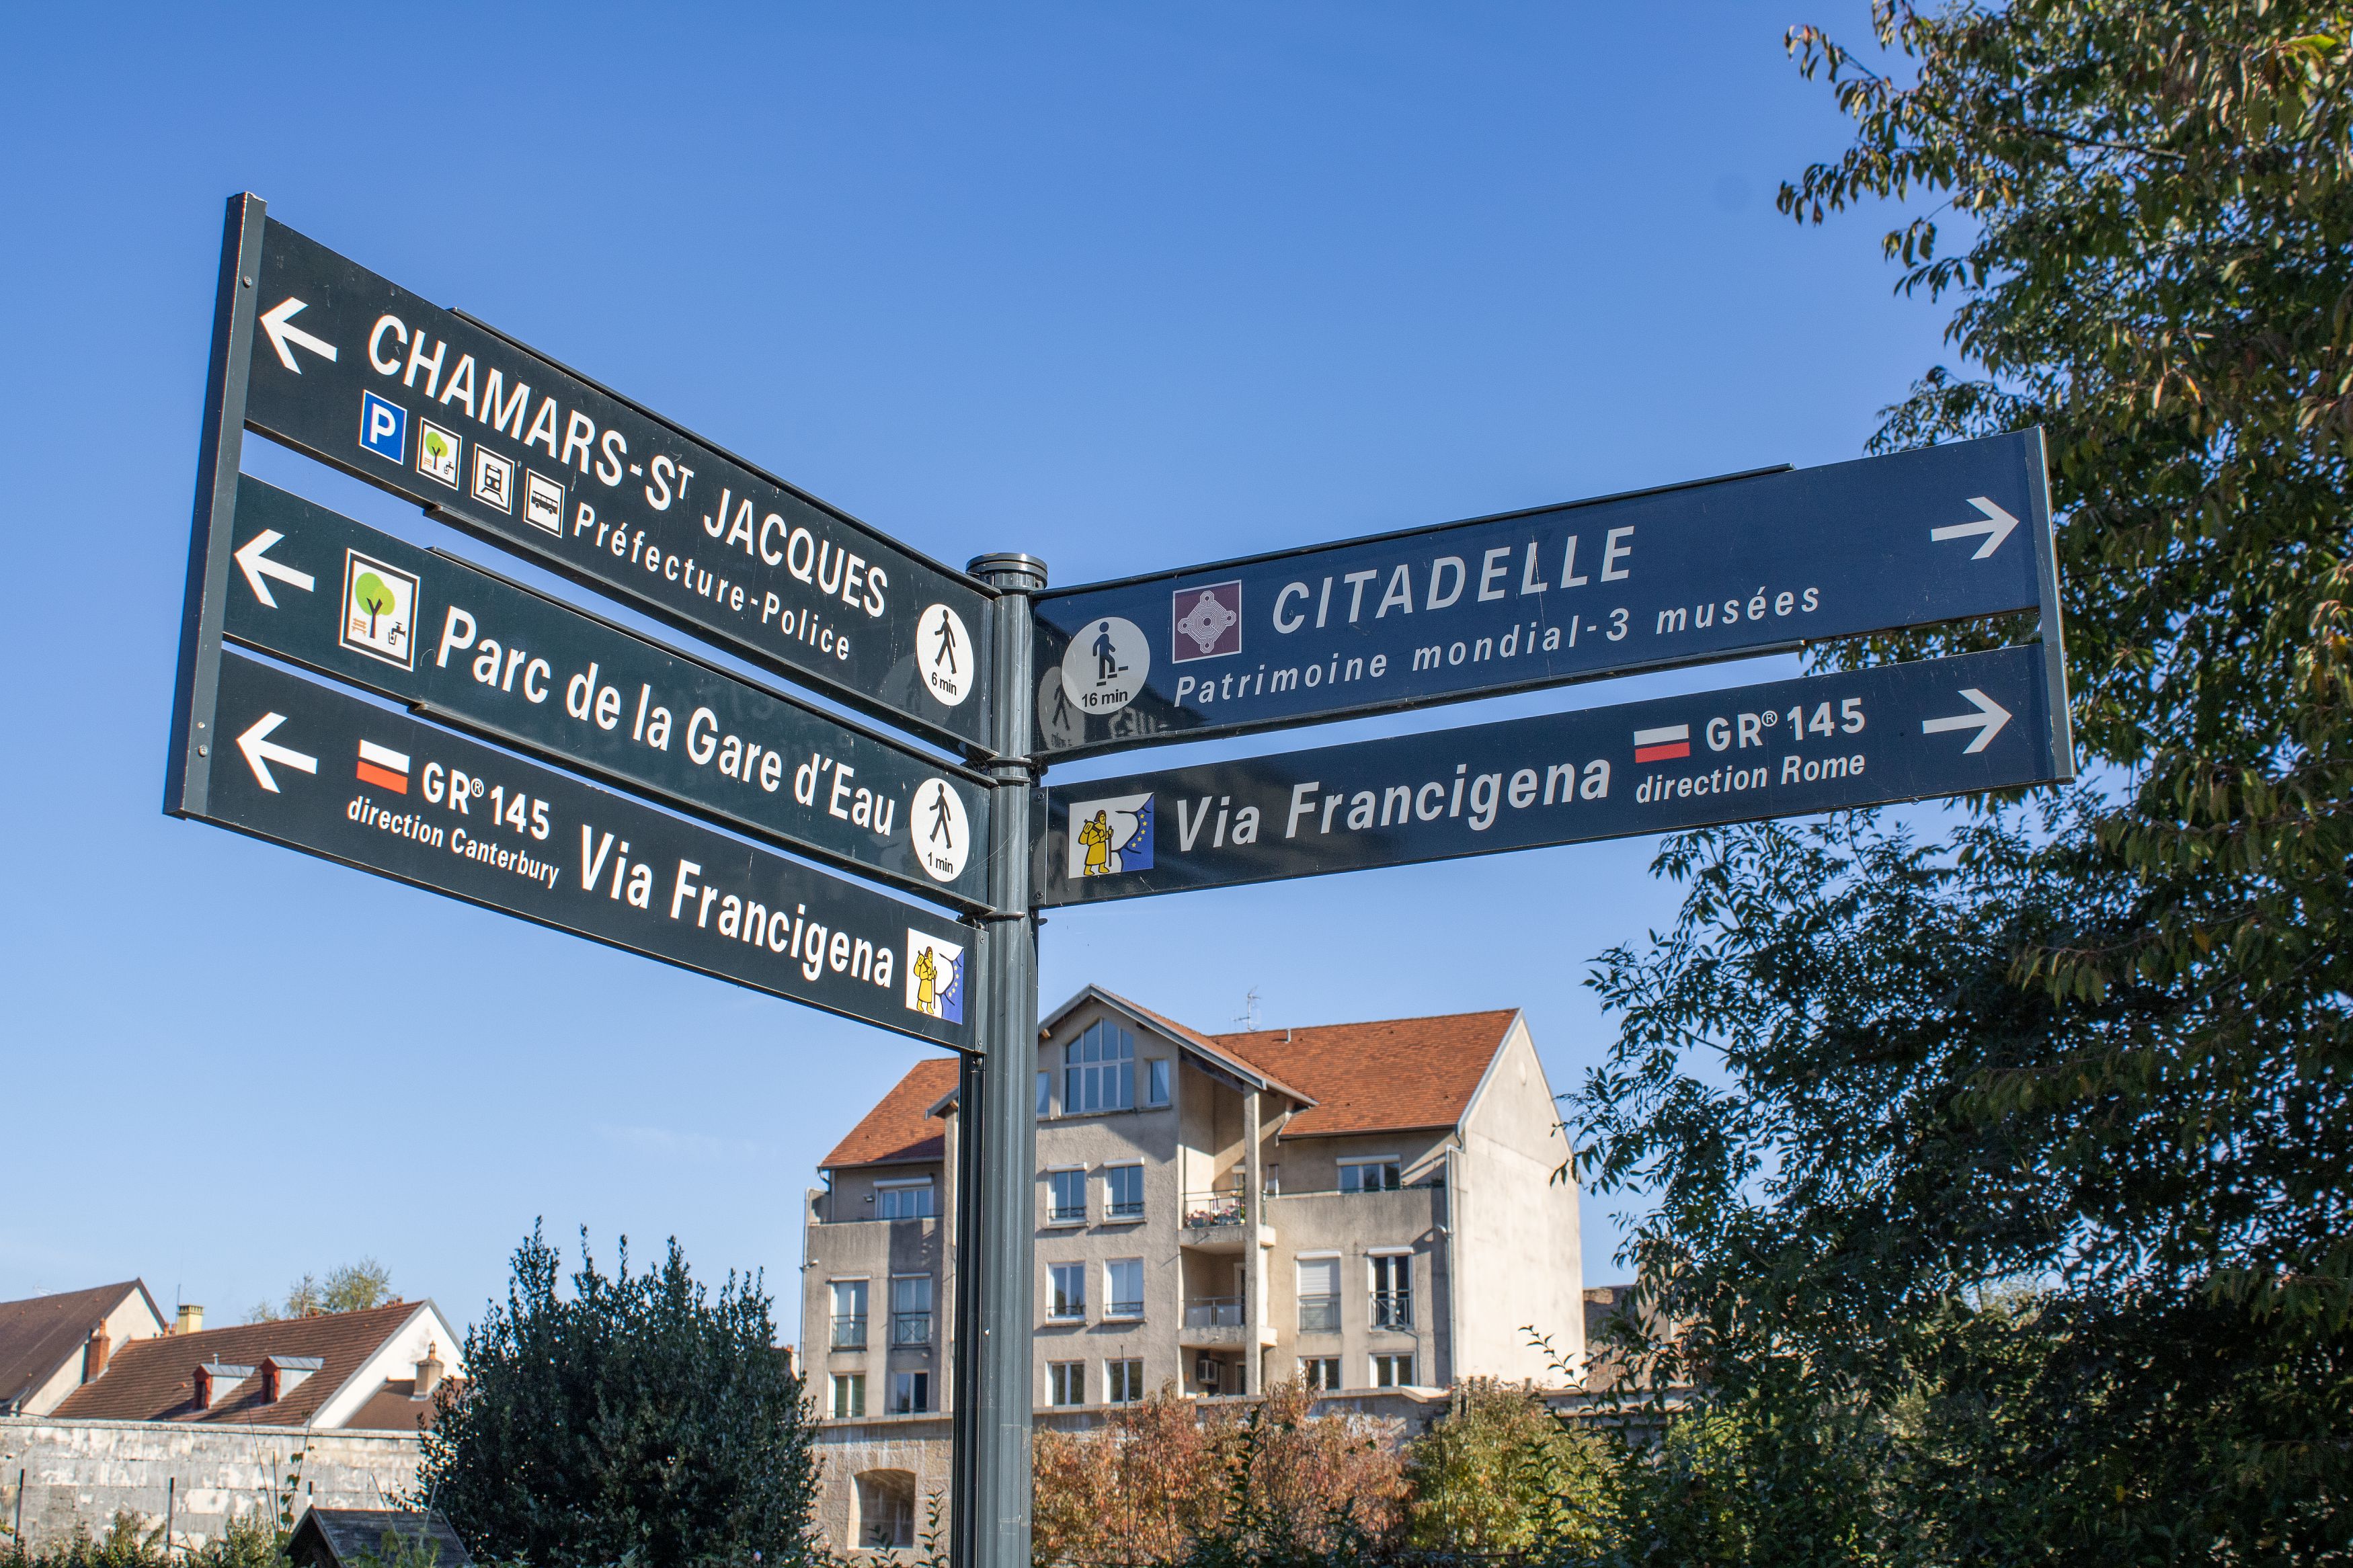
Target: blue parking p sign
x: 384, y: 428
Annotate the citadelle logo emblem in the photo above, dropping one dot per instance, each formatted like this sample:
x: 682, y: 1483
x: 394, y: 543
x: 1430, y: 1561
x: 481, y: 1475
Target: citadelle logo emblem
x: 1206, y: 622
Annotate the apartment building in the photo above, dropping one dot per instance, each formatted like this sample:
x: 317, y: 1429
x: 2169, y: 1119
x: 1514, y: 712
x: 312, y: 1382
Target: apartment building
x: 1371, y: 1207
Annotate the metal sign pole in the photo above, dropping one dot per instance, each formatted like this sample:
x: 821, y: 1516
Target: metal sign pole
x: 188, y: 772
x: 997, y: 1153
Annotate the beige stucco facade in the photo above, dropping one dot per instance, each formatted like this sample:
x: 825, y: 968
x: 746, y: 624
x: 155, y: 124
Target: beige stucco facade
x: 1413, y: 1285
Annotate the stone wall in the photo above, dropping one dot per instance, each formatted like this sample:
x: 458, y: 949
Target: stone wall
x: 81, y: 1472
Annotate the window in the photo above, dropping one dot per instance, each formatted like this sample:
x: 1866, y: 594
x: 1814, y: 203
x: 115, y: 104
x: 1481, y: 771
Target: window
x: 1099, y: 1071
x: 1123, y: 1381
x: 1123, y: 1287
x: 1069, y: 1296
x: 1392, y: 1371
x: 1320, y: 1373
x: 886, y: 1510
x: 1067, y: 1381
x: 849, y: 1314
x: 1155, y: 1089
x: 1045, y: 1095
x: 911, y: 1309
x: 1274, y: 1180
x: 1319, y: 1294
x: 848, y: 1395
x: 902, y: 1200
x: 1123, y: 1192
x: 1066, y: 1197
x: 1369, y: 1176
x: 1392, y: 1289
x: 911, y: 1392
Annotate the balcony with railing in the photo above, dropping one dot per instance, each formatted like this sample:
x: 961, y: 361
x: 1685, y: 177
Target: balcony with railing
x: 1216, y: 1221
x: 850, y: 1333
x: 1393, y: 1310
x: 1319, y: 1314
x: 1211, y: 1322
x: 911, y: 1328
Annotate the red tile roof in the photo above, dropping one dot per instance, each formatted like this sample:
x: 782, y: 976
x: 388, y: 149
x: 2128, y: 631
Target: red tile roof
x: 1382, y: 1076
x: 39, y: 1332
x: 155, y: 1379
x: 901, y: 1129
x: 1208, y: 1045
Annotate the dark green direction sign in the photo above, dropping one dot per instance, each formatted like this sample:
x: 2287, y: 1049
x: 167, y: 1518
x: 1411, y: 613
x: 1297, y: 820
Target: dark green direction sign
x: 307, y: 766
x: 329, y: 594
x: 1903, y: 731
x: 508, y: 445
x: 1534, y: 599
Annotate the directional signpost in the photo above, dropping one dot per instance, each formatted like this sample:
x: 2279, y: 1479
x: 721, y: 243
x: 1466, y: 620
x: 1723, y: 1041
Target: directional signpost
x: 318, y: 771
x: 331, y: 595
x: 1681, y: 576
x: 511, y: 447
x: 1783, y: 748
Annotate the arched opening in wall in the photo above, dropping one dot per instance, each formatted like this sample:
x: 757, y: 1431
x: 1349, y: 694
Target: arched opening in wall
x: 886, y: 1510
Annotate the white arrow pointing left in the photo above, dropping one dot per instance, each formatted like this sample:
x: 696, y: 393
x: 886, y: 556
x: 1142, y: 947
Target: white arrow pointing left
x: 1987, y: 720
x: 260, y: 751
x: 254, y: 561
x: 1995, y: 525
x: 284, y: 335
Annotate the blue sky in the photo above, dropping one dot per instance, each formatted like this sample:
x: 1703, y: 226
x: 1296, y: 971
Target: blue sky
x: 1124, y: 287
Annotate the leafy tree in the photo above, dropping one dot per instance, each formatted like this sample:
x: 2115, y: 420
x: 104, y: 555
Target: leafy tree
x: 349, y: 1288
x: 1500, y: 1472
x: 372, y: 596
x: 1140, y: 1487
x: 639, y: 1416
x: 2002, y: 1175
x: 1158, y: 1482
x: 356, y: 1287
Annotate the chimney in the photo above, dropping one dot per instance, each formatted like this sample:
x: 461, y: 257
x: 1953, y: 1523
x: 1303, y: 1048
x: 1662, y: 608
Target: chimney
x: 429, y: 1372
x: 94, y: 1355
x: 191, y: 1320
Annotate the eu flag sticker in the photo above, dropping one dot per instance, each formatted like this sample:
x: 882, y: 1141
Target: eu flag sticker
x: 384, y: 428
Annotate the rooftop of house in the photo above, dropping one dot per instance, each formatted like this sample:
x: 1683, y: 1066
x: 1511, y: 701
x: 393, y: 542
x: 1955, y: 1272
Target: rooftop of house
x: 39, y: 1333
x: 1387, y: 1076
x: 155, y: 1379
x: 350, y: 1536
x: 902, y: 1129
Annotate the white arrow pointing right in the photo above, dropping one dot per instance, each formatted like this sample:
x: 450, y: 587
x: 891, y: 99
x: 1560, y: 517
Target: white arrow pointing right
x: 253, y: 560
x: 284, y: 334
x: 1987, y: 720
x: 259, y: 753
x: 1995, y: 525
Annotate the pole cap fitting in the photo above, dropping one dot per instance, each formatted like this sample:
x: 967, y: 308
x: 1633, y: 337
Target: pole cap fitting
x: 997, y: 567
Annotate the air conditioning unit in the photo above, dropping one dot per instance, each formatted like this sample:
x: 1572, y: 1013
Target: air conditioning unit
x: 1207, y: 1371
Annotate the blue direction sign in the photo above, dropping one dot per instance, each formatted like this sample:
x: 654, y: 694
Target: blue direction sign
x: 310, y: 767
x: 510, y: 446
x: 1785, y: 748
x: 317, y: 589
x: 1681, y: 576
